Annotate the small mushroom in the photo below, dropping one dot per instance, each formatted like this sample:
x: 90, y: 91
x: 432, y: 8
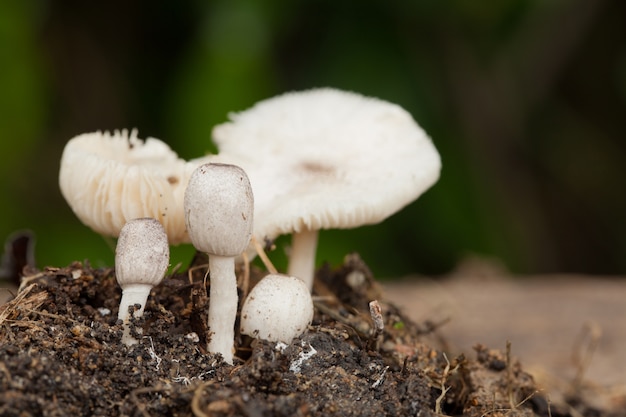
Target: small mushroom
x: 108, y: 179
x: 218, y: 213
x: 326, y: 158
x: 142, y: 256
x: 278, y: 309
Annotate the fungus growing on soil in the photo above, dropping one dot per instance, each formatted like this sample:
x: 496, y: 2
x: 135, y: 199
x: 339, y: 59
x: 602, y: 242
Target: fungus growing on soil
x: 218, y: 213
x: 142, y: 256
x: 108, y: 179
x: 326, y: 158
x: 278, y: 309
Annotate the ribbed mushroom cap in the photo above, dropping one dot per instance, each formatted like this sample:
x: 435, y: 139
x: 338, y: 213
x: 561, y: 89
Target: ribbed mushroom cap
x: 142, y: 254
x: 109, y: 179
x: 219, y: 208
x: 326, y: 158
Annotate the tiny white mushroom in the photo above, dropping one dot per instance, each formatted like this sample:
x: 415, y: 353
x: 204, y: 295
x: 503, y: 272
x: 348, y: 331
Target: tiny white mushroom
x: 142, y: 256
x: 218, y: 213
x: 278, y: 309
x: 323, y: 159
x: 108, y: 179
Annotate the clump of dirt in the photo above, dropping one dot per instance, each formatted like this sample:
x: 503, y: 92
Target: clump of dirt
x: 60, y: 354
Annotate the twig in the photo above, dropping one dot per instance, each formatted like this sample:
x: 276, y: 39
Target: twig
x: 582, y: 354
x: 444, y: 378
x: 195, y: 402
x: 266, y: 261
x: 509, y: 374
x: 175, y: 269
x: 51, y: 315
x: 361, y: 326
x: 376, y: 312
x: 21, y: 300
x: 24, y: 283
x: 194, y: 268
x: 514, y: 407
x: 377, y: 317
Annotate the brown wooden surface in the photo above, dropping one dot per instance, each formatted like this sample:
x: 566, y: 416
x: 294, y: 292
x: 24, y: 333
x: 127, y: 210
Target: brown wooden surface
x: 542, y: 316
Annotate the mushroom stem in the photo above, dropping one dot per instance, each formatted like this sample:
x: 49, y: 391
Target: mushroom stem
x: 131, y: 295
x: 302, y: 257
x: 222, y: 306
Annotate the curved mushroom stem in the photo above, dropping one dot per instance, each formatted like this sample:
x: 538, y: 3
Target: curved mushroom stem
x: 131, y: 295
x: 222, y: 306
x: 302, y: 257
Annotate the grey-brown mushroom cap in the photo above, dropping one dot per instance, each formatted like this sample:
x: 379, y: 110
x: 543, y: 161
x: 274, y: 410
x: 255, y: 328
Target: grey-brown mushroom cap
x: 142, y: 254
x: 219, y: 208
x: 109, y: 179
x: 326, y: 158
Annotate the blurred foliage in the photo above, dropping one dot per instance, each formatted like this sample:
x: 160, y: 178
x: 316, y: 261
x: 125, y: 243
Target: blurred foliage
x: 21, y: 105
x: 525, y: 100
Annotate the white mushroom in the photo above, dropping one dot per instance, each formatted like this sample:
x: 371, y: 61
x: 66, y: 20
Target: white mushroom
x: 142, y: 256
x: 108, y: 179
x: 218, y: 213
x: 278, y: 309
x: 323, y: 159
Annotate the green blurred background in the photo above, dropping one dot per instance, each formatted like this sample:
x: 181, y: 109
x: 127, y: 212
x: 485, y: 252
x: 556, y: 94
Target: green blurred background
x: 525, y: 100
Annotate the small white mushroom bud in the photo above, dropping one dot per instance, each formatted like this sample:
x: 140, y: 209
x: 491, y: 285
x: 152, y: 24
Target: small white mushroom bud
x: 278, y: 309
x: 142, y: 256
x: 218, y: 213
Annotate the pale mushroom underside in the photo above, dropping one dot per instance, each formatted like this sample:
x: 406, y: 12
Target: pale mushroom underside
x: 109, y: 179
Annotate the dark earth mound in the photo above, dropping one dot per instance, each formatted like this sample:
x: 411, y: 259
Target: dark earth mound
x: 61, y: 355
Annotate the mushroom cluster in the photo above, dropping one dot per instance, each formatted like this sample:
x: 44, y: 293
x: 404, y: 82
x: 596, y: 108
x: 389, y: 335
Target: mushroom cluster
x: 316, y: 159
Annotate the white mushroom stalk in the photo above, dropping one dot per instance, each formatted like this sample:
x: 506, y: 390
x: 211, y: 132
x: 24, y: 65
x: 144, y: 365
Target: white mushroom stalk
x: 142, y: 256
x: 326, y: 158
x: 278, y: 309
x: 218, y: 213
x: 109, y: 179
x: 302, y: 255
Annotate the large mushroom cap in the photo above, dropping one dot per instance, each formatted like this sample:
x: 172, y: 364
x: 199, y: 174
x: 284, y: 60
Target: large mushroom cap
x: 109, y: 179
x: 326, y: 158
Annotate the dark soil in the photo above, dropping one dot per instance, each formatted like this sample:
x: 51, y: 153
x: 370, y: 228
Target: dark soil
x: 60, y: 355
